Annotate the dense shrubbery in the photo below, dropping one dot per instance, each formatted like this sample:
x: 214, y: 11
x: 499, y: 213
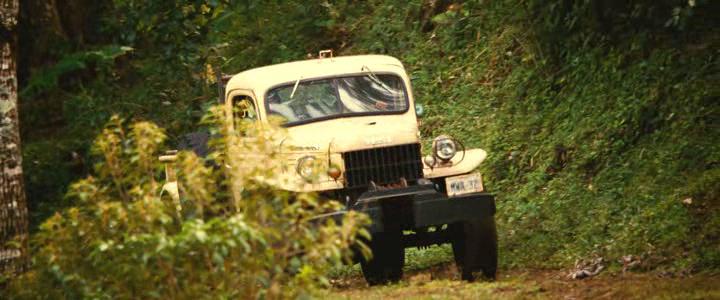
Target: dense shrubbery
x: 595, y: 136
x: 599, y: 116
x: 120, y: 239
x: 168, y: 77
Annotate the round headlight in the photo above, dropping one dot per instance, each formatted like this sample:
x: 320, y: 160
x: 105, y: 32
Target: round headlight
x: 445, y: 148
x: 306, y: 167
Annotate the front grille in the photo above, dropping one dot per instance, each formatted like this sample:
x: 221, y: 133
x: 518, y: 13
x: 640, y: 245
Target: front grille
x: 382, y: 165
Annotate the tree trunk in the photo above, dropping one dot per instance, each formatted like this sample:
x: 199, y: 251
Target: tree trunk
x: 13, y: 209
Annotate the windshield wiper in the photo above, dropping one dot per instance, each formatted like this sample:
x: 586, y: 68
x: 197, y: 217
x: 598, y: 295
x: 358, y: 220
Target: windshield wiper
x: 375, y: 78
x: 297, y: 82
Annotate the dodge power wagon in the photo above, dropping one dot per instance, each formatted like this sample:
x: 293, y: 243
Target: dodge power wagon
x: 357, y: 116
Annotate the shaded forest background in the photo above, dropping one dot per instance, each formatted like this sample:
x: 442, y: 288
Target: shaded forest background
x: 602, y: 118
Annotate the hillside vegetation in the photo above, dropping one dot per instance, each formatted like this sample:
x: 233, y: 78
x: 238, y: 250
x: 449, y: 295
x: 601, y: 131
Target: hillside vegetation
x: 601, y: 118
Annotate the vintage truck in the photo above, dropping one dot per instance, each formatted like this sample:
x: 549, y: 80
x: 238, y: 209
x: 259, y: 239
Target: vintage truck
x: 356, y: 116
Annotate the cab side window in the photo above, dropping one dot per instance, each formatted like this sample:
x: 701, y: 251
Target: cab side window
x: 243, y: 109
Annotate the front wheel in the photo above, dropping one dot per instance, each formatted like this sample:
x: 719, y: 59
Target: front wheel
x: 388, y: 258
x: 475, y: 248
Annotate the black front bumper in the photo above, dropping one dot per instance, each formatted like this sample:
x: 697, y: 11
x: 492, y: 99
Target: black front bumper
x: 419, y: 206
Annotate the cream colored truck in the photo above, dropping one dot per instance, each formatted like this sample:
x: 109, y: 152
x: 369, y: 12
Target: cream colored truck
x: 357, y: 116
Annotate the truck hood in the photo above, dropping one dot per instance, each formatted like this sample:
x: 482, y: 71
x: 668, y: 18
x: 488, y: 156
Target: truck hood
x: 352, y: 133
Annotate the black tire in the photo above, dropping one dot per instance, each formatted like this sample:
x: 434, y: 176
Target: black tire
x: 475, y: 248
x: 386, y: 264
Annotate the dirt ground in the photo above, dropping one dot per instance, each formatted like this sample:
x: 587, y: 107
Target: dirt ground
x: 441, y: 282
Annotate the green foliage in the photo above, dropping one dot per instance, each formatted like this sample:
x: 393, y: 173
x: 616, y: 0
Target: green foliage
x: 48, y: 79
x: 163, y: 79
x: 599, y: 117
x: 121, y: 239
x: 595, y: 137
x: 47, y: 174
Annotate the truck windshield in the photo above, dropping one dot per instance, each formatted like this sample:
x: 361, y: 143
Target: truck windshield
x: 328, y: 98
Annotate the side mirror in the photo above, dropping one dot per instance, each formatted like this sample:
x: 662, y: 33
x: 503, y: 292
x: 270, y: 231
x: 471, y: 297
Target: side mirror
x: 419, y: 110
x: 168, y: 160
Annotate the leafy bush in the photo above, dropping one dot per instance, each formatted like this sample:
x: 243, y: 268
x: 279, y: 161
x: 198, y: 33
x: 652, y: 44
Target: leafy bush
x: 121, y: 239
x: 599, y: 117
x: 595, y: 137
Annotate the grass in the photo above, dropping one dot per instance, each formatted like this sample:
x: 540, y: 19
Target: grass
x: 415, y: 260
x: 438, y: 289
x: 430, y: 274
x: 514, y: 286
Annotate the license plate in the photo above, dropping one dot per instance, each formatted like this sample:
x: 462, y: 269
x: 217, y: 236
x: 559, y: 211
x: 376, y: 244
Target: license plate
x: 463, y: 184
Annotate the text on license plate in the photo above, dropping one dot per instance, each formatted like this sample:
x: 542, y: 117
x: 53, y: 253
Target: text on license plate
x: 463, y: 184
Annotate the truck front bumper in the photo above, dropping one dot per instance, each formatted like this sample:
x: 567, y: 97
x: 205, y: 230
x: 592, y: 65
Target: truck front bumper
x: 418, y: 207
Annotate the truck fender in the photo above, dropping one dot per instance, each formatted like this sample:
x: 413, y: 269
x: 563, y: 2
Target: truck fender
x: 461, y: 163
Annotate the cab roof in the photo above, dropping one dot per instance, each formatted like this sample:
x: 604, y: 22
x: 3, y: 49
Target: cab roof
x: 262, y: 78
